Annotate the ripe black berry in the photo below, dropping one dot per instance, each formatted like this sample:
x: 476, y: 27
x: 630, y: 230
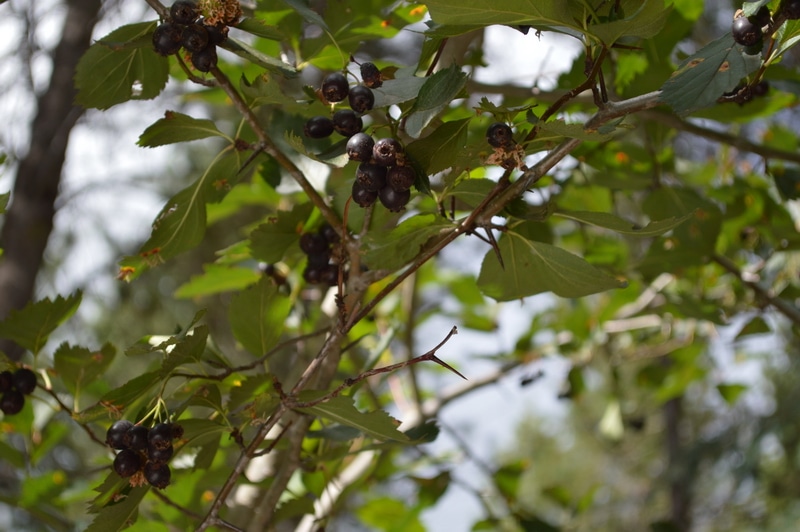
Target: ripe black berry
x: 361, y: 99
x: 318, y: 127
x: 318, y: 260
x: 160, y: 456
x: 6, y: 381
x: 388, y: 152
x: 12, y: 402
x: 394, y: 200
x: 137, y: 438
x: 127, y: 463
x: 335, y: 87
x: 359, y: 147
x: 183, y: 12
x: 762, y: 17
x: 205, y: 59
x: 362, y: 196
x: 160, y: 436
x: 312, y: 274
x: 329, y: 233
x: 167, y: 38
x: 790, y: 9
x: 157, y: 475
x: 313, y: 243
x: 346, y: 122
x: 746, y: 32
x: 499, y: 135
x: 25, y: 381
x: 329, y: 275
x: 401, y: 177
x: 117, y: 434
x: 195, y: 38
x: 371, y: 75
x: 371, y: 176
x: 216, y: 34
x: 761, y: 88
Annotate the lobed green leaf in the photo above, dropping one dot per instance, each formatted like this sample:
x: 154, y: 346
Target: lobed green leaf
x: 30, y: 327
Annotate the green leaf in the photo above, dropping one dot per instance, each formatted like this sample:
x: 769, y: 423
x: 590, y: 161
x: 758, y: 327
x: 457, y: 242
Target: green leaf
x: 187, y: 349
x: 622, y: 226
x: 438, y: 91
x: 4, y: 202
x: 217, y: 278
x: 31, y: 326
x: 787, y: 179
x: 641, y: 20
x: 393, y: 249
x: 118, y: 515
x: 708, y: 74
x: 257, y: 316
x: 398, y: 90
x: 755, y: 326
x: 377, y: 424
x: 473, y: 191
x: 78, y: 366
x: 119, y: 67
x: 307, y: 13
x: 178, y: 127
x: 438, y: 151
x: 264, y: 89
x: 731, y: 392
x: 535, y: 267
x: 269, y: 241
x: 257, y: 27
x: 253, y: 55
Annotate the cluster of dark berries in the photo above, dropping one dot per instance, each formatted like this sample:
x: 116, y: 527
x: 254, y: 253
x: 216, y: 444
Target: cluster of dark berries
x: 14, y: 387
x: 383, y: 173
x: 185, y: 28
x: 143, y: 453
x: 335, y: 89
x: 750, y: 31
x: 322, y: 267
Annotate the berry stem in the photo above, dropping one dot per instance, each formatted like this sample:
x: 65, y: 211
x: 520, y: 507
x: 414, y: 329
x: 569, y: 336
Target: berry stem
x: 158, y: 7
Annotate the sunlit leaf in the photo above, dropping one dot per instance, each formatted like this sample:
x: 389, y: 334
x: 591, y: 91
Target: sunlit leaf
x: 78, y: 366
x: 257, y: 316
x: 619, y: 225
x: 217, y: 278
x: 438, y: 91
x: 177, y: 127
x: 438, y: 151
x: 30, y: 327
x: 377, y: 424
x: 270, y: 240
x: 731, y: 392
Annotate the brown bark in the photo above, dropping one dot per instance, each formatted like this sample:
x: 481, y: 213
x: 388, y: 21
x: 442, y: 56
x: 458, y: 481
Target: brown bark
x: 29, y: 219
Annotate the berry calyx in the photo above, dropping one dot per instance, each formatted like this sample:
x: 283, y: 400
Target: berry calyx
x: 205, y: 59
x: 359, y: 147
x: 363, y: 197
x: 347, y: 123
x: 127, y: 463
x: 394, y: 200
x: 318, y: 127
x: 157, y: 475
x: 167, y: 38
x: 24, y: 381
x: 371, y: 75
x: 388, y: 152
x: 12, y: 402
x: 499, y: 135
x: 117, y: 434
x: 361, y: 99
x: 371, y: 176
x: 335, y: 87
x: 183, y: 12
x: 195, y: 38
x: 745, y: 32
x: 401, y: 177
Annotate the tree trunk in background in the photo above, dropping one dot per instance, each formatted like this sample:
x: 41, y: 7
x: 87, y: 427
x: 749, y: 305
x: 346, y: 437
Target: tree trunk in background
x: 29, y: 219
x: 680, y: 475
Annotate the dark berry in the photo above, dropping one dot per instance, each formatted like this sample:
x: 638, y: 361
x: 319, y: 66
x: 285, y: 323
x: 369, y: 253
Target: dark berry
x: 318, y: 127
x: 762, y: 17
x: 167, y: 38
x: 761, y: 88
x: 137, y: 438
x: 160, y: 436
x: 318, y: 260
x: 388, y: 152
x: 329, y: 233
x: 177, y: 431
x: 359, y: 147
x: 499, y: 135
x: 394, y: 200
x: 790, y: 9
x: 157, y: 475
x: 313, y: 243
x: 205, y: 59
x: 216, y: 34
x: 371, y: 75
x: 195, y: 38
x: 361, y: 99
x: 160, y: 456
x: 746, y: 32
x: 401, y: 177
x: 183, y: 12
x: 335, y: 87
x: 6, y: 381
x: 25, y: 381
x: 371, y: 176
x: 127, y: 463
x: 362, y: 196
x: 117, y: 434
x: 346, y: 122
x: 312, y: 274
x: 329, y: 275
x: 12, y: 402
